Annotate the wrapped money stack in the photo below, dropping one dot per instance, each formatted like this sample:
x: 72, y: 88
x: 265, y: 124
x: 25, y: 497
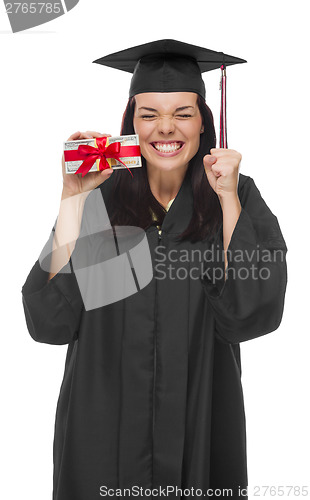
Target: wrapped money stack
x: 92, y: 155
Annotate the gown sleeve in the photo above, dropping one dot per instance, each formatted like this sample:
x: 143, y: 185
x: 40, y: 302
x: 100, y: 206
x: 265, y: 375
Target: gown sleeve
x: 249, y: 303
x: 52, y: 308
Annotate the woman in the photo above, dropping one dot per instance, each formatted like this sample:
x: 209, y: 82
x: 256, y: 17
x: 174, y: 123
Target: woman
x: 151, y: 396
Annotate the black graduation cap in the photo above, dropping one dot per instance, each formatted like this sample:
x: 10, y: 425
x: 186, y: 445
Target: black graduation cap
x: 172, y: 66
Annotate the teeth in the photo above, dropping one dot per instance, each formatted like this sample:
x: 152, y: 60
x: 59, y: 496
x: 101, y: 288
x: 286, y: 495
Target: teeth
x: 167, y: 148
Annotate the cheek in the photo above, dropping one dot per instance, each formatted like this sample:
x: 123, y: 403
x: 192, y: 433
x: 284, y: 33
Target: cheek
x: 143, y: 129
x: 194, y: 135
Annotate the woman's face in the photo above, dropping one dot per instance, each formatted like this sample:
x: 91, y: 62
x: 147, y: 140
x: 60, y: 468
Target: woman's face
x: 169, y: 127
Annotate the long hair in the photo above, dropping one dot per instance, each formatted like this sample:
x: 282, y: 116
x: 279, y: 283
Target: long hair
x: 131, y: 199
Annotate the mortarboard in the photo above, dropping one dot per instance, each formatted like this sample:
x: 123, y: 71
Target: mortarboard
x: 172, y: 66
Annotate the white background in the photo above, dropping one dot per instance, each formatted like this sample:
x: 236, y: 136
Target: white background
x: 50, y: 89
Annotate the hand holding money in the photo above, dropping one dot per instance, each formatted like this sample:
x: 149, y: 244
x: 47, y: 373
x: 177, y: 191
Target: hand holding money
x: 76, y: 184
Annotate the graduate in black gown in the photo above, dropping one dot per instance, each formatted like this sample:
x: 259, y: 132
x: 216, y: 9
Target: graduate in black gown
x: 151, y: 396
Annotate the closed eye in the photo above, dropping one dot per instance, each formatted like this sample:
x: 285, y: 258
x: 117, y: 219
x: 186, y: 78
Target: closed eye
x: 150, y: 117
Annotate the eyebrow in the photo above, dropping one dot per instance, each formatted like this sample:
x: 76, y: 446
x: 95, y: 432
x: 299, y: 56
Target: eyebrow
x: 178, y: 109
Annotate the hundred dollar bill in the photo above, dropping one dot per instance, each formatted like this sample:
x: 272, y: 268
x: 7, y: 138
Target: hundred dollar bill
x: 125, y: 140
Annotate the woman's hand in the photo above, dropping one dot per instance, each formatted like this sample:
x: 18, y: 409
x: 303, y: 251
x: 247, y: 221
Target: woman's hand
x: 222, y: 171
x: 74, y: 184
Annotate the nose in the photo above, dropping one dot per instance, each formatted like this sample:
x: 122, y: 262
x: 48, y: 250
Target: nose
x: 166, y: 125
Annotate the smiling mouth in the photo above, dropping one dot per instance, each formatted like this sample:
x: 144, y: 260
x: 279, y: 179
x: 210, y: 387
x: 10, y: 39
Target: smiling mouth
x: 167, y: 147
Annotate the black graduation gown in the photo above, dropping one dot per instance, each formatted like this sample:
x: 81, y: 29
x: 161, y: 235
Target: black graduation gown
x: 151, y: 394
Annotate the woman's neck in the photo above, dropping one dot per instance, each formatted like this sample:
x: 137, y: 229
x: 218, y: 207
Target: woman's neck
x: 165, y: 185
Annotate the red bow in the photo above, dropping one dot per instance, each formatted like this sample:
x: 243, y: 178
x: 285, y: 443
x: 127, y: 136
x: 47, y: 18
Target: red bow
x: 90, y: 154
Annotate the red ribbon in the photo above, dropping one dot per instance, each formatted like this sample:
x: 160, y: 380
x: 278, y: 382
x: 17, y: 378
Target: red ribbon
x: 90, y: 154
